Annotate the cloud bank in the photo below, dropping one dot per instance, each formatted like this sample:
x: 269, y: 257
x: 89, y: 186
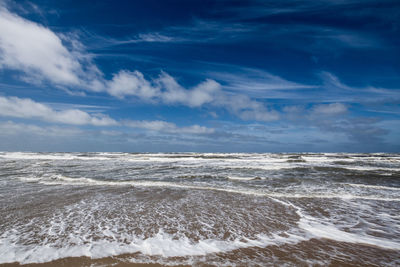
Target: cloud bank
x: 26, y: 108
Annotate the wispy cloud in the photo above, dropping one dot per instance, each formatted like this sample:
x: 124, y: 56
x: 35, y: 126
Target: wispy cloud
x: 311, y: 37
x: 152, y: 37
x: 337, y: 88
x: 278, y: 23
x: 100, y: 41
x: 253, y: 82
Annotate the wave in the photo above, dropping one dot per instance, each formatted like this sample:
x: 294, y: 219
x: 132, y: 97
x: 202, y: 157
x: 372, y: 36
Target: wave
x: 320, y: 228
x: 111, y: 241
x: 262, y: 162
x: 164, y: 244
x: 378, y: 187
x: 161, y: 244
x: 52, y: 156
x: 83, y: 181
x: 240, y: 178
x: 330, y: 231
x: 39, y: 156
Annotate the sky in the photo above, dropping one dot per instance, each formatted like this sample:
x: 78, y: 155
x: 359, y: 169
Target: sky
x: 200, y: 76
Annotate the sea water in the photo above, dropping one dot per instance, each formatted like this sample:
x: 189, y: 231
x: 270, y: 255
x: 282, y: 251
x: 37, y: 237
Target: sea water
x: 200, y: 208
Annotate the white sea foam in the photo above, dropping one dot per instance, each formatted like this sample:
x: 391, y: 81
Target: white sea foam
x: 371, y: 168
x: 161, y: 244
x: 83, y: 181
x: 39, y: 156
x: 377, y: 187
x: 241, y: 178
x: 330, y: 231
x: 321, y: 228
x: 49, y: 156
x: 264, y: 162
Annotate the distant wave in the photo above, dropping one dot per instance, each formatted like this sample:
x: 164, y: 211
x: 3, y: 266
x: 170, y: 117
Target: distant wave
x: 378, y: 187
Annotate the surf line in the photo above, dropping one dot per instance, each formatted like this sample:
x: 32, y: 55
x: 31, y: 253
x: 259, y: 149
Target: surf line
x: 63, y: 180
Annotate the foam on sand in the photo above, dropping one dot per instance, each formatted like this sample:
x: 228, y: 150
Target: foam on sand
x: 320, y: 228
x: 161, y: 244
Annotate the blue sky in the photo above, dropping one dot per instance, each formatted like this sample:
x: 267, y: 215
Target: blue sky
x: 207, y: 76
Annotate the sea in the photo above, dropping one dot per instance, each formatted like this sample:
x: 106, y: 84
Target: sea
x: 199, y: 209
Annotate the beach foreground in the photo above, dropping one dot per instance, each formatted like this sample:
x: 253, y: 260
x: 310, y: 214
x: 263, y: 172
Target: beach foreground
x: 124, y: 209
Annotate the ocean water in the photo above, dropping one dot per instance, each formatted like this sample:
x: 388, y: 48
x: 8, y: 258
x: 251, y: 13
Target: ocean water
x: 200, y: 209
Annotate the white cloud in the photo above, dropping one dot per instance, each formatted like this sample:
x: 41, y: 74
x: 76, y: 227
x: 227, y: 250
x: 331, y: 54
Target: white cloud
x: 246, y: 108
x: 167, y: 90
x: 126, y: 83
x: 168, y: 127
x: 316, y: 112
x: 164, y: 89
x: 199, y: 95
x: 27, y: 108
x: 196, y: 129
x: 10, y: 128
x: 329, y: 109
x: 36, y: 50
